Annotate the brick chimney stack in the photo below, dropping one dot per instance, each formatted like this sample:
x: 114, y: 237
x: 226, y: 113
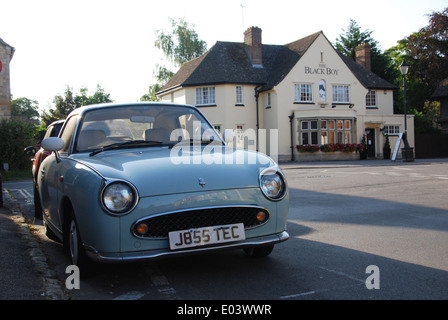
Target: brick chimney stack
x: 252, y: 38
x: 363, y: 55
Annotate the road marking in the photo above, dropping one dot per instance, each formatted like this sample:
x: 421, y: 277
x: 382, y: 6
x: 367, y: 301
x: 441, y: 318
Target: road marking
x: 297, y: 295
x: 23, y: 192
x: 341, y: 274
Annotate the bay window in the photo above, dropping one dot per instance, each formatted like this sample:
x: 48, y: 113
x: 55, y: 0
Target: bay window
x: 325, y: 131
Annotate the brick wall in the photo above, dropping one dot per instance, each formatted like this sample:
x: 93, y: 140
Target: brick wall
x: 6, y: 53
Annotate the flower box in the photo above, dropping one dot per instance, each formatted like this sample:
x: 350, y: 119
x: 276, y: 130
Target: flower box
x: 329, y: 152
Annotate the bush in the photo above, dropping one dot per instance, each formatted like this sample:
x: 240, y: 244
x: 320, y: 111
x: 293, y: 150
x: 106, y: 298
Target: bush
x: 14, y: 137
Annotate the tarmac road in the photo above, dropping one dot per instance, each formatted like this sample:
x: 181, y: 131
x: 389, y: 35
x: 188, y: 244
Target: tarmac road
x: 326, y: 257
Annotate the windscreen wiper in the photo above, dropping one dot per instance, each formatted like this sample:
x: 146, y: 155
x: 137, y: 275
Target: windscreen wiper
x: 125, y: 144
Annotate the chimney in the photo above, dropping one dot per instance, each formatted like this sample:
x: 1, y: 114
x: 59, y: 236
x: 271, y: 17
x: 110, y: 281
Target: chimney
x: 252, y: 38
x: 363, y: 55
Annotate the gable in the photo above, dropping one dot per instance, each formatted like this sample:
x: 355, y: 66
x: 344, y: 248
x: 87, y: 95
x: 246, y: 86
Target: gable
x: 229, y: 63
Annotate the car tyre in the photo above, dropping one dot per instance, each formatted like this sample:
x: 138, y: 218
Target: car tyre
x: 75, y: 248
x: 37, y: 205
x: 259, y: 252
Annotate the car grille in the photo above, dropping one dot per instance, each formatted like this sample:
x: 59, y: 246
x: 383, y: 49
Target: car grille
x: 159, y: 226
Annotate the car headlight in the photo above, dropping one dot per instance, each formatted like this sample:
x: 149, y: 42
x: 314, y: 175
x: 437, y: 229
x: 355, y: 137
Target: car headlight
x: 273, y: 184
x: 119, y: 197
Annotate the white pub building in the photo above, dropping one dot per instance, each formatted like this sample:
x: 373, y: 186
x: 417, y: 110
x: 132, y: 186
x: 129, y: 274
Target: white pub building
x: 278, y: 97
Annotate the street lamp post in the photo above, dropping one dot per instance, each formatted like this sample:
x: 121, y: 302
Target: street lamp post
x: 407, y: 152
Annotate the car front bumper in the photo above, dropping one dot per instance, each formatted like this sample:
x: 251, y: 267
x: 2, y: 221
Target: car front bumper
x: 163, y: 253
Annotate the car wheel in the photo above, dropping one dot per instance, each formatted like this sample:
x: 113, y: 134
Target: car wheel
x: 75, y: 248
x: 37, y: 205
x: 259, y: 252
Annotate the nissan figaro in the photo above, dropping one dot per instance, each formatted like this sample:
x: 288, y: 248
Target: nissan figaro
x: 138, y: 181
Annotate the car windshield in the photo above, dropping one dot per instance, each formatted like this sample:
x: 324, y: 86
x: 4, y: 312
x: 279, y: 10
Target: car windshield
x: 157, y: 125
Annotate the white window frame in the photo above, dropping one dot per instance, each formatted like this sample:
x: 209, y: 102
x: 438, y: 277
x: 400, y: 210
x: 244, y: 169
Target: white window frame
x: 239, y: 96
x: 341, y: 93
x: 303, y: 92
x: 392, y: 130
x: 205, y: 96
x: 371, y: 99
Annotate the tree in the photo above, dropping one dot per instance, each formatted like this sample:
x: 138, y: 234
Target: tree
x: 25, y: 108
x: 182, y: 44
x: 65, y: 105
x: 179, y: 45
x: 352, y: 37
x: 427, y: 53
x: 429, y: 49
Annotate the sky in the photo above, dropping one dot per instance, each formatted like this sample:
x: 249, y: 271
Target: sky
x: 85, y: 43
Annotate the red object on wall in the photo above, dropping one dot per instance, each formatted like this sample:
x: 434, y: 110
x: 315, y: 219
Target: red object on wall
x: 0, y: 66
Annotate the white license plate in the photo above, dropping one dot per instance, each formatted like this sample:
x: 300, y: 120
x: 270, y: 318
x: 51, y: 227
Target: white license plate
x: 205, y: 236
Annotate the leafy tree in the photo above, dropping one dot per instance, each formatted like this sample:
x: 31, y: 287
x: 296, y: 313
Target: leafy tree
x: 180, y: 44
x: 352, y: 37
x: 67, y: 103
x: 427, y: 53
x: 429, y: 50
x: 15, y: 135
x: 26, y: 108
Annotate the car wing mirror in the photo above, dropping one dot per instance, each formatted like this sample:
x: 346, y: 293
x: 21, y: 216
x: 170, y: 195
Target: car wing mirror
x: 53, y: 144
x: 30, y: 151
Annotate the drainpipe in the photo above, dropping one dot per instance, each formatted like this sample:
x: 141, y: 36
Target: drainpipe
x: 257, y: 94
x: 1, y: 192
x: 291, y: 118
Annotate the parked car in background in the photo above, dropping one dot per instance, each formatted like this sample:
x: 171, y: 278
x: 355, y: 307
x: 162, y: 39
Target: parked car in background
x: 38, y: 156
x: 130, y: 182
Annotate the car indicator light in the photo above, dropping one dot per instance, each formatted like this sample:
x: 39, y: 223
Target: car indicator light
x: 141, y: 228
x: 261, y: 216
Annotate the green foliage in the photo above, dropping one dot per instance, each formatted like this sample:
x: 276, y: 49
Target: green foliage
x: 67, y: 103
x: 181, y: 44
x: 151, y: 95
x: 15, y: 136
x: 26, y: 108
x: 352, y: 37
x: 429, y: 50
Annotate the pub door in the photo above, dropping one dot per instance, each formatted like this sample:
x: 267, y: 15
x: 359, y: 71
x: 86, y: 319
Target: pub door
x: 371, y: 142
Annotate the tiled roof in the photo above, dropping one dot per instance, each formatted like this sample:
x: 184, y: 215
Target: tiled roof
x: 229, y: 63
x: 441, y: 91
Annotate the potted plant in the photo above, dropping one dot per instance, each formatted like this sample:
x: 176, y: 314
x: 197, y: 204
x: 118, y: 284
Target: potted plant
x: 363, y: 148
x: 386, y: 148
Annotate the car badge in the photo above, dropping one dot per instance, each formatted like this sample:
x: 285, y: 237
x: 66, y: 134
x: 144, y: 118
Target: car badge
x: 202, y: 182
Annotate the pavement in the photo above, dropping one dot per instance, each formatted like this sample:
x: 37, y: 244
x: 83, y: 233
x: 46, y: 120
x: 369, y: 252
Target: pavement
x: 24, y: 273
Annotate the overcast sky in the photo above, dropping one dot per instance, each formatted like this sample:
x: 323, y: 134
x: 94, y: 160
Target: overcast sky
x: 80, y: 43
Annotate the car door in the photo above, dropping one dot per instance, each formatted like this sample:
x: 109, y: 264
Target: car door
x: 47, y: 177
x: 50, y: 177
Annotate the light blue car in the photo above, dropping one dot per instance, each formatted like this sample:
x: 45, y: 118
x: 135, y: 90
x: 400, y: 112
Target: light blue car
x: 130, y: 182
